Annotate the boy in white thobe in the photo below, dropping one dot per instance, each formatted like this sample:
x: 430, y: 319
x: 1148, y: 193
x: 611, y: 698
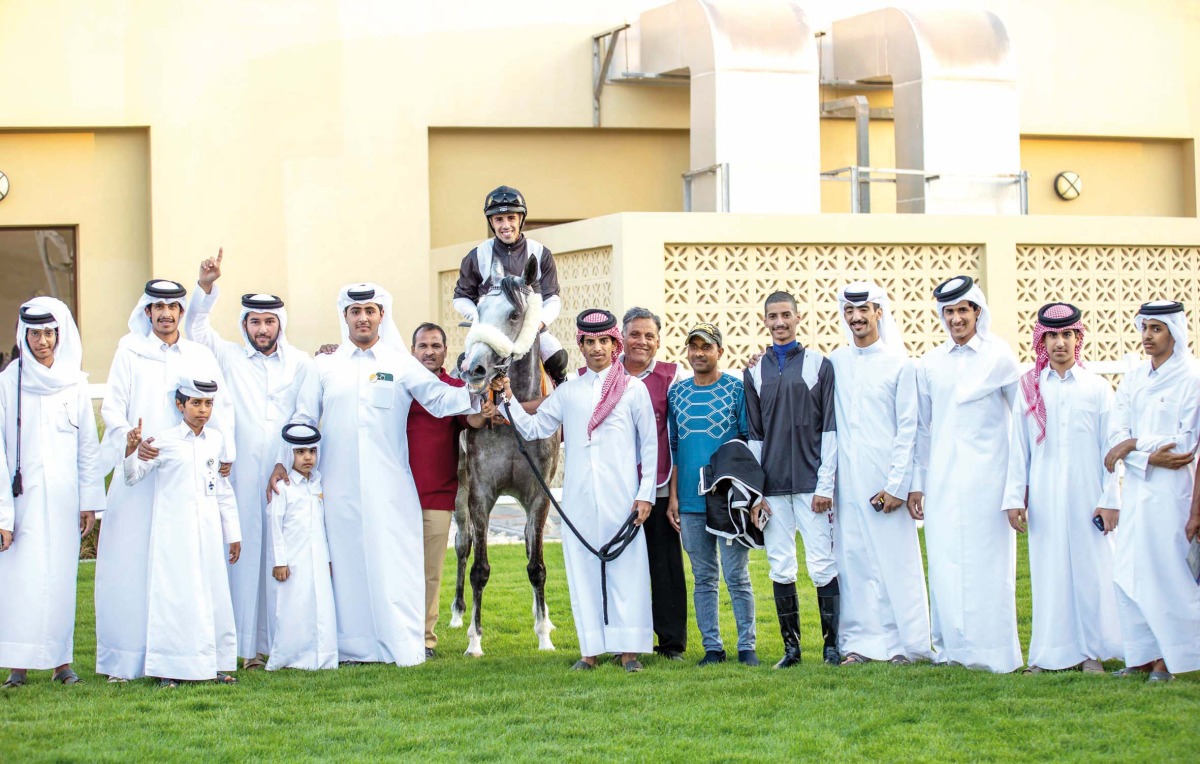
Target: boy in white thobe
x: 50, y: 458
x: 1155, y: 426
x: 1059, y: 439
x: 884, y: 615
x: 141, y: 386
x: 190, y: 632
x: 263, y: 372
x: 299, y: 603
x: 609, y: 428
x: 360, y: 396
x: 965, y: 391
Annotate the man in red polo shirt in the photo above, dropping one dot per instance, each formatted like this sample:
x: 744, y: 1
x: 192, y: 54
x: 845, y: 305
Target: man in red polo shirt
x: 433, y: 458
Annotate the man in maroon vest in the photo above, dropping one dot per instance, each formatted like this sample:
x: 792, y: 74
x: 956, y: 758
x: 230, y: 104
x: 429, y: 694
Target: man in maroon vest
x: 641, y: 331
x: 433, y: 458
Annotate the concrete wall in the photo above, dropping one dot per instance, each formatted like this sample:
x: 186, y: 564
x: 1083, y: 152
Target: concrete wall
x: 297, y: 133
x: 718, y: 267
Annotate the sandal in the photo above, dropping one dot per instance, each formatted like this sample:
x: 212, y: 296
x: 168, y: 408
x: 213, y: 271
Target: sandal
x: 14, y: 680
x: 67, y: 676
x: 854, y: 659
x: 1160, y: 676
x: 632, y: 666
x: 253, y: 664
x: 168, y: 683
x: 117, y: 680
x: 223, y: 678
x: 582, y: 665
x: 899, y: 660
x: 1033, y: 670
x: 1130, y: 671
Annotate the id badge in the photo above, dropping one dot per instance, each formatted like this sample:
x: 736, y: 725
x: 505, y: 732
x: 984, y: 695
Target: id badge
x: 383, y: 390
x: 210, y: 484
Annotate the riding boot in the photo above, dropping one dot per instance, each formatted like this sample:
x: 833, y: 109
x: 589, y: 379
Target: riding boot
x: 829, y: 604
x: 556, y: 367
x: 787, y: 607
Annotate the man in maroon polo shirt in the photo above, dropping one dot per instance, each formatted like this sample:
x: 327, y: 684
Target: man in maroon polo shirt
x: 641, y: 330
x: 433, y: 458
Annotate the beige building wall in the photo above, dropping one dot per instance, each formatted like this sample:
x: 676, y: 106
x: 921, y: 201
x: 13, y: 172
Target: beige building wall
x: 564, y: 174
x: 297, y: 133
x: 99, y: 182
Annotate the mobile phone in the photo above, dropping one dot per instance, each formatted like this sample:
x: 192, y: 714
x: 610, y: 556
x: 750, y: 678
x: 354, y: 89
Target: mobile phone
x: 1098, y: 521
x: 876, y: 505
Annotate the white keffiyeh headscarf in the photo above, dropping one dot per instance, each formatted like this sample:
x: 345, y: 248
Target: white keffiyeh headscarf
x: 68, y: 351
x: 368, y: 293
x: 860, y: 293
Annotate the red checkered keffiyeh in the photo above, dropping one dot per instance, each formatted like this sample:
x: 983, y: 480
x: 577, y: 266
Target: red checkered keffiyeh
x: 1031, y: 381
x: 617, y: 380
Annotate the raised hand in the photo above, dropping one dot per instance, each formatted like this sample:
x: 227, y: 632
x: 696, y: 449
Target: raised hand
x: 133, y: 439
x: 210, y: 271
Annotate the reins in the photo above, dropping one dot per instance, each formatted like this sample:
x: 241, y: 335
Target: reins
x: 609, y: 551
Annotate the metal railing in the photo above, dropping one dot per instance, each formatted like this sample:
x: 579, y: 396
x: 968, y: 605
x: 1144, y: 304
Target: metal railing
x: 721, y: 171
x: 859, y: 177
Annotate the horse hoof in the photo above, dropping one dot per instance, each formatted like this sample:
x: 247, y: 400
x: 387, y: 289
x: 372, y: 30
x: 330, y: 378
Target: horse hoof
x: 476, y: 653
x: 546, y: 644
x: 456, y: 620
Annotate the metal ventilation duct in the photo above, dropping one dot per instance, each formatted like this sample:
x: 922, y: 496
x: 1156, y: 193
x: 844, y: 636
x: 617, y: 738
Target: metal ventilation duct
x: 954, y: 79
x: 754, y: 95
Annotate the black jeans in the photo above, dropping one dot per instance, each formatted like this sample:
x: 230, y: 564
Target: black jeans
x: 668, y: 587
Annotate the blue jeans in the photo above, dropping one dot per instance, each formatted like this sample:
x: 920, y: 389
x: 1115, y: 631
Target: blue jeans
x: 701, y: 547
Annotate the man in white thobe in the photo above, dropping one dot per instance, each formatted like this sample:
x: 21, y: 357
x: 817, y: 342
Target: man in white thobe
x: 609, y: 429
x: 1155, y: 426
x: 965, y: 390
x: 360, y: 395
x: 141, y: 385
x: 54, y: 484
x: 884, y: 614
x: 264, y: 373
x: 1056, y: 457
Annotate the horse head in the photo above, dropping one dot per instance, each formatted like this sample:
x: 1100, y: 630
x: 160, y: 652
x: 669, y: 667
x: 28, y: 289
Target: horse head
x: 509, y: 319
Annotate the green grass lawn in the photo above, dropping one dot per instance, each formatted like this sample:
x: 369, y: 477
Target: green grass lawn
x: 518, y: 703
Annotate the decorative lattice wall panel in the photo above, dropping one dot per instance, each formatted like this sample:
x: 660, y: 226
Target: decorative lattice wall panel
x: 585, y: 278
x: 1108, y: 284
x: 726, y: 284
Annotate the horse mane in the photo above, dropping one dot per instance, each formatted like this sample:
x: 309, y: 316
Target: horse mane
x: 514, y: 289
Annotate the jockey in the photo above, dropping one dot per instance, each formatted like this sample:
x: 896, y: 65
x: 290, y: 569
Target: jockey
x: 505, y: 211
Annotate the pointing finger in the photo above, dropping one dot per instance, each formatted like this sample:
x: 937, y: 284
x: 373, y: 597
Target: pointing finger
x: 220, y: 254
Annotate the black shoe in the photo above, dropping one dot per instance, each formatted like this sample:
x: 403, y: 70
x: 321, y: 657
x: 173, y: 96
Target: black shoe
x: 787, y: 608
x: 832, y: 656
x: 712, y: 657
x: 556, y: 367
x: 748, y: 658
x: 429, y: 653
x: 671, y: 655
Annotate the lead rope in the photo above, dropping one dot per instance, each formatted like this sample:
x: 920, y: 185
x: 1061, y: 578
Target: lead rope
x: 607, y: 553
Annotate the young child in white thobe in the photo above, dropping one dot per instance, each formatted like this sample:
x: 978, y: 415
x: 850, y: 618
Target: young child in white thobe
x: 190, y: 632
x: 301, y: 625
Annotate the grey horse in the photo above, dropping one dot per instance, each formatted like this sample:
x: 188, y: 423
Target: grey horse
x: 504, y: 339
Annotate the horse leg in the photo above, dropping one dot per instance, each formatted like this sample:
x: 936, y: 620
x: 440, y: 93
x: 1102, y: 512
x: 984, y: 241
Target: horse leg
x: 537, y: 507
x: 480, y: 509
x: 462, y: 550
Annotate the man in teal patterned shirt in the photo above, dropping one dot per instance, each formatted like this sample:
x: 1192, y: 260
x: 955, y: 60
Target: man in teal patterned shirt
x: 703, y: 413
